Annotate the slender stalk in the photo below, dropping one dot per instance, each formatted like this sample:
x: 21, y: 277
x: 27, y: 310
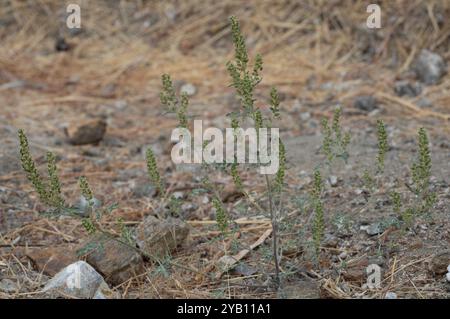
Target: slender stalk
x: 274, y: 234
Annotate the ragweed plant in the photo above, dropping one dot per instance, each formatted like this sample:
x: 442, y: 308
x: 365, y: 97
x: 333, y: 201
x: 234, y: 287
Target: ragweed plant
x: 172, y: 104
x: 335, y: 143
x: 382, y: 145
x: 421, y: 169
x: 397, y: 202
x: 244, y: 80
x: 221, y: 216
x: 275, y: 103
x: 279, y: 178
x: 54, y: 194
x: 318, y: 225
x: 49, y: 192
x: 153, y: 172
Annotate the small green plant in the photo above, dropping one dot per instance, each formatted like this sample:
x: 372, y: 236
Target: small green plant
x: 54, y: 193
x: 397, y: 202
x: 421, y: 169
x: 334, y: 143
x: 172, y: 104
x: 318, y: 226
x: 279, y: 178
x: 221, y: 216
x: 153, y: 172
x: 382, y: 145
x: 244, y: 80
x: 275, y: 103
x: 369, y: 181
x: 49, y: 192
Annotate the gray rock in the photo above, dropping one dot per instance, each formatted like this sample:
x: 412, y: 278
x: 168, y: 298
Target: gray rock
x: 305, y: 116
x: 405, y: 88
x: 429, y: 67
x: 333, y: 180
x: 330, y: 241
x: 158, y: 238
x: 379, y: 260
x: 424, y: 103
x: 372, y: 229
x: 143, y: 190
x: 390, y: 295
x: 78, y: 280
x: 365, y: 103
x: 8, y: 286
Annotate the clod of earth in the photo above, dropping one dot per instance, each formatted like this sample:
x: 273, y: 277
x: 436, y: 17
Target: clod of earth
x: 440, y: 262
x: 78, y: 280
x: 86, y: 132
x: 158, y: 238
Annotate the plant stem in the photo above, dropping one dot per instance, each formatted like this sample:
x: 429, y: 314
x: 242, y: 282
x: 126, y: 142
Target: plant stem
x: 274, y: 233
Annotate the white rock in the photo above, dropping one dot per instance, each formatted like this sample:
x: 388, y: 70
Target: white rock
x: 447, y: 276
x: 333, y: 180
x: 189, y: 89
x: 305, y: 116
x: 372, y: 229
x: 390, y: 295
x: 78, y: 280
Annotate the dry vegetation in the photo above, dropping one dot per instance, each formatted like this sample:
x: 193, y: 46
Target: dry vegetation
x: 319, y: 54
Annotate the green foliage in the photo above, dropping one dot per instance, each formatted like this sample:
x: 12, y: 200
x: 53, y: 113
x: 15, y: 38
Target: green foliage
x: 153, y: 171
x: 318, y: 225
x: 243, y: 80
x: 49, y: 192
x: 88, y: 225
x: 236, y: 177
x: 221, y: 216
x: 275, y: 103
x: 334, y: 143
x: 181, y: 113
x: 421, y: 169
x: 327, y: 140
x: 54, y: 194
x: 86, y: 190
x: 167, y: 96
x: 30, y: 169
x: 279, y: 178
x: 239, y: 45
x: 382, y: 145
x: 369, y: 181
x: 170, y: 101
x: 125, y: 232
x: 397, y: 202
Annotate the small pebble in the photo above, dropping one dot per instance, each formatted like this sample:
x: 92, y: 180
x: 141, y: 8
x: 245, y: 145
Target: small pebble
x: 390, y: 295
